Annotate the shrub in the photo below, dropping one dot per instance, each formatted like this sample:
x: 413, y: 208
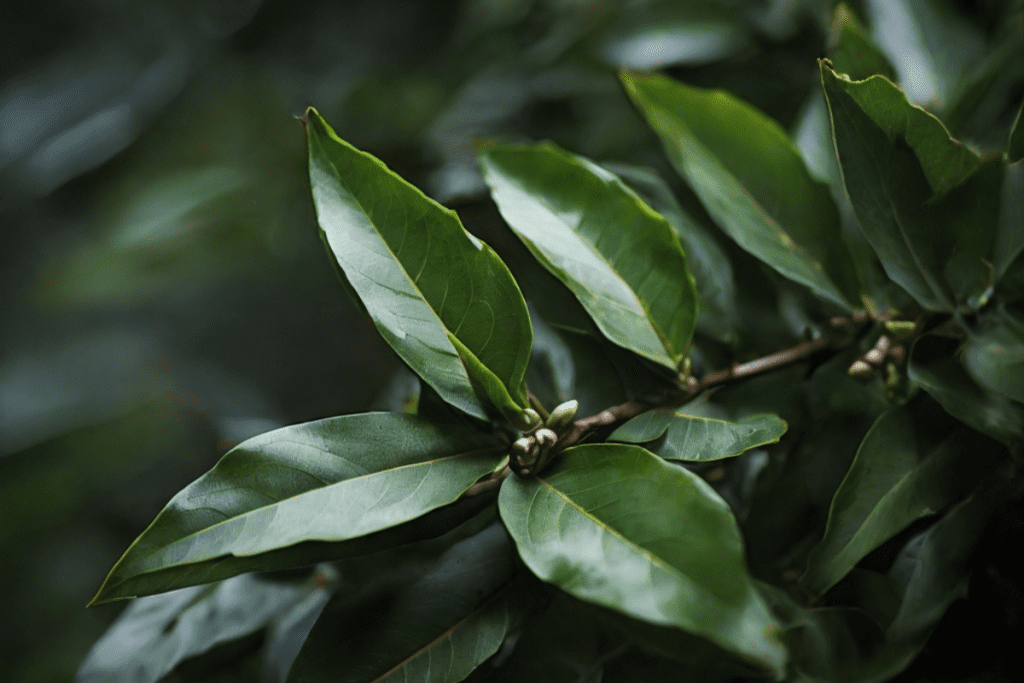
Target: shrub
x: 682, y: 460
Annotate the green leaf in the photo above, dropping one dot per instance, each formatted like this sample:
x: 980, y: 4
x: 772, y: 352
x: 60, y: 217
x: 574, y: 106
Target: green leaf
x: 711, y: 268
x: 695, y: 438
x: 895, y: 157
x: 1015, y: 143
x: 663, y: 34
x: 994, y: 355
x: 156, y: 633
x: 894, y: 480
x: 556, y: 646
x: 944, y: 161
x: 933, y: 367
x: 287, y: 633
x: 1009, y: 240
x: 435, y: 626
x: 332, y: 480
x: 620, y: 258
x: 933, y: 568
x: 851, y: 48
x: 929, y: 44
x: 754, y: 185
x: 441, y: 298
x: 588, y: 526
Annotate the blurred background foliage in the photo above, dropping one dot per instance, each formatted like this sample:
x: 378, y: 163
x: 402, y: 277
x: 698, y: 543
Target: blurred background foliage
x: 165, y: 294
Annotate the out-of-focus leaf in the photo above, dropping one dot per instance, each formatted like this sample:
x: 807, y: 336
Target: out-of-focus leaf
x: 441, y: 298
x: 194, y: 202
x: 852, y: 50
x: 50, y: 390
x: 754, y: 185
x: 933, y: 367
x: 933, y: 568
x: 929, y: 574
x: 332, y: 480
x: 994, y: 354
x: 653, y: 36
x: 1010, y: 231
x: 156, y: 633
x: 561, y: 644
x: 894, y: 480
x: 895, y: 157
x: 930, y: 46
x: 287, y: 633
x: 692, y: 656
x: 85, y: 103
x: 1015, y: 143
x: 436, y: 627
x: 578, y: 526
x: 832, y: 643
x: 813, y: 137
x: 712, y: 271
x: 620, y: 258
x: 695, y: 437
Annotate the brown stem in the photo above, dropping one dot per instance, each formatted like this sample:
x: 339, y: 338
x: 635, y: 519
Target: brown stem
x: 843, y: 332
x: 537, y: 405
x: 487, y: 484
x: 769, y: 362
x: 581, y: 428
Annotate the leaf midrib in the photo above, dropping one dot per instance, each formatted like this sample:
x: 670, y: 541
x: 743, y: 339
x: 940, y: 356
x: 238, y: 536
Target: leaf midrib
x: 461, y: 622
x: 282, y: 500
x: 925, y: 275
x: 593, y: 248
x: 412, y: 283
x: 652, y: 558
x: 875, y: 512
x: 783, y: 238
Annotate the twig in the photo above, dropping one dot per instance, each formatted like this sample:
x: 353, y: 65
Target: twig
x: 769, y: 362
x: 537, y: 405
x: 843, y: 333
x: 582, y: 428
x: 487, y: 484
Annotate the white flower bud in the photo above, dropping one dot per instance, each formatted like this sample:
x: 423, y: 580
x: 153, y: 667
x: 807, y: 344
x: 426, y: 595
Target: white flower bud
x: 531, y: 420
x: 563, y: 415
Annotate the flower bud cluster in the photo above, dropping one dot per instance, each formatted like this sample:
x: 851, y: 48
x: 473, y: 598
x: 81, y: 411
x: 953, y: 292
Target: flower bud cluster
x: 532, y: 451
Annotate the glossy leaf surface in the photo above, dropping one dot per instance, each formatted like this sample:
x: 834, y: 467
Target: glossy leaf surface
x: 894, y: 480
x: 578, y: 526
x: 332, y: 480
x: 695, y: 438
x: 441, y: 298
x: 711, y: 268
x: 620, y: 258
x: 154, y: 634
x: 436, y: 622
x: 755, y: 186
x: 895, y: 158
